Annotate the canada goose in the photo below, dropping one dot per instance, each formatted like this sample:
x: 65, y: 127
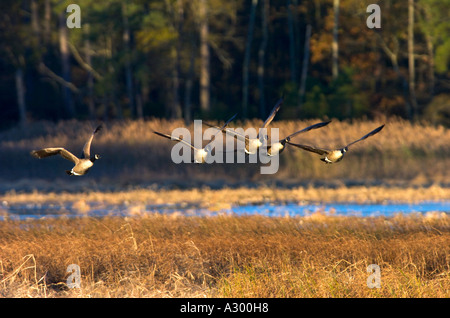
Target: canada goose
x: 200, y: 155
x: 331, y: 156
x: 253, y: 144
x: 278, y: 147
x: 82, y: 165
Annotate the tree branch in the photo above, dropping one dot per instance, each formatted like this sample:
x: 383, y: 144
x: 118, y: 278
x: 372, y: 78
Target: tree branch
x: 43, y: 69
x: 83, y: 64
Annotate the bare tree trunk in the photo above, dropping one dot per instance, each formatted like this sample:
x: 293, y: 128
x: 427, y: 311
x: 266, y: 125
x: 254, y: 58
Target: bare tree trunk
x: 175, y: 111
x: 141, y: 93
x: 144, y: 92
x: 302, y: 88
x: 111, y: 97
x: 261, y: 56
x: 204, y: 58
x: 317, y: 13
x: 47, y: 21
x: 127, y: 48
x: 292, y: 54
x: 65, y: 60
x: 188, y: 85
x: 90, y: 80
x: 139, y: 104
x: 411, y: 67
x: 296, y: 27
x: 20, y: 90
x: 430, y: 49
x: 35, y: 19
x: 431, y: 78
x: 245, y: 67
x: 392, y: 54
x: 176, y: 103
x: 335, y: 44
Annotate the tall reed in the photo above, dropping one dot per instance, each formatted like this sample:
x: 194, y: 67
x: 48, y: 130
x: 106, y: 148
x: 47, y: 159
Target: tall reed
x: 133, y: 155
x: 226, y: 256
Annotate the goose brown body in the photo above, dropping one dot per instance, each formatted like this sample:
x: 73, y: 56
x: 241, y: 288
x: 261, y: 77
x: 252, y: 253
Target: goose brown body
x: 200, y: 154
x: 251, y: 145
x: 82, y: 165
x: 333, y: 156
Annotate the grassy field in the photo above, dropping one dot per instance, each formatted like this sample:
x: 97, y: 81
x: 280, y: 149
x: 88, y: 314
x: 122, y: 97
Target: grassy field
x: 227, y: 256
x: 206, y: 197
x: 402, y: 153
x: 157, y: 255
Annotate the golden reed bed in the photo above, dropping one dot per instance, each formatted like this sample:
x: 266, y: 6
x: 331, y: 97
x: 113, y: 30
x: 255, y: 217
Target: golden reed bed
x: 226, y: 256
x: 206, y: 197
x: 417, y: 154
x: 152, y: 255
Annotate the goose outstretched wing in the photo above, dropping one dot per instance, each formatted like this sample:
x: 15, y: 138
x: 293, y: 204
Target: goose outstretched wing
x: 47, y: 152
x: 87, y: 145
x: 373, y: 132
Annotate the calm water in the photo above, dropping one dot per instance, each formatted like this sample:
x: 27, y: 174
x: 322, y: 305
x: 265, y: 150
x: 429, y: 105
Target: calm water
x: 349, y: 209
x: 24, y: 211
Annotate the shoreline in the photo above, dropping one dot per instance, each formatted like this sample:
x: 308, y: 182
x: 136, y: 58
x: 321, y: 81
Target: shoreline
x: 206, y: 197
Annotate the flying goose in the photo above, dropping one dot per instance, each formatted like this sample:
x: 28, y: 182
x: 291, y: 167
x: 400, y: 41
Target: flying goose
x: 278, y: 147
x: 252, y: 144
x: 200, y: 155
x: 82, y: 165
x: 331, y: 156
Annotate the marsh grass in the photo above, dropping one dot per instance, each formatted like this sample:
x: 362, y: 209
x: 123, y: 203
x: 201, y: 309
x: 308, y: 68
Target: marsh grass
x: 226, y: 256
x: 157, y: 255
x: 225, y: 198
x: 132, y: 154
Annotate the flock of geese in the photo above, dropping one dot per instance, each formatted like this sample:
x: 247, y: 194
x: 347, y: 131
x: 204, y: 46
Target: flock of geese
x: 83, y: 164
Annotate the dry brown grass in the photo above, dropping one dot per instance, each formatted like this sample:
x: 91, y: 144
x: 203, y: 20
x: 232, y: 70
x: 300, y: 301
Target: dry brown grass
x: 132, y: 154
x: 397, y: 133
x: 226, y: 256
x: 226, y: 197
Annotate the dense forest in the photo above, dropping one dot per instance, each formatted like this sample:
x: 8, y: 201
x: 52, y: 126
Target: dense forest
x: 186, y: 59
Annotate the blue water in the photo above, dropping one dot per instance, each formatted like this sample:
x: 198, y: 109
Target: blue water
x: 36, y: 211
x: 348, y: 209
